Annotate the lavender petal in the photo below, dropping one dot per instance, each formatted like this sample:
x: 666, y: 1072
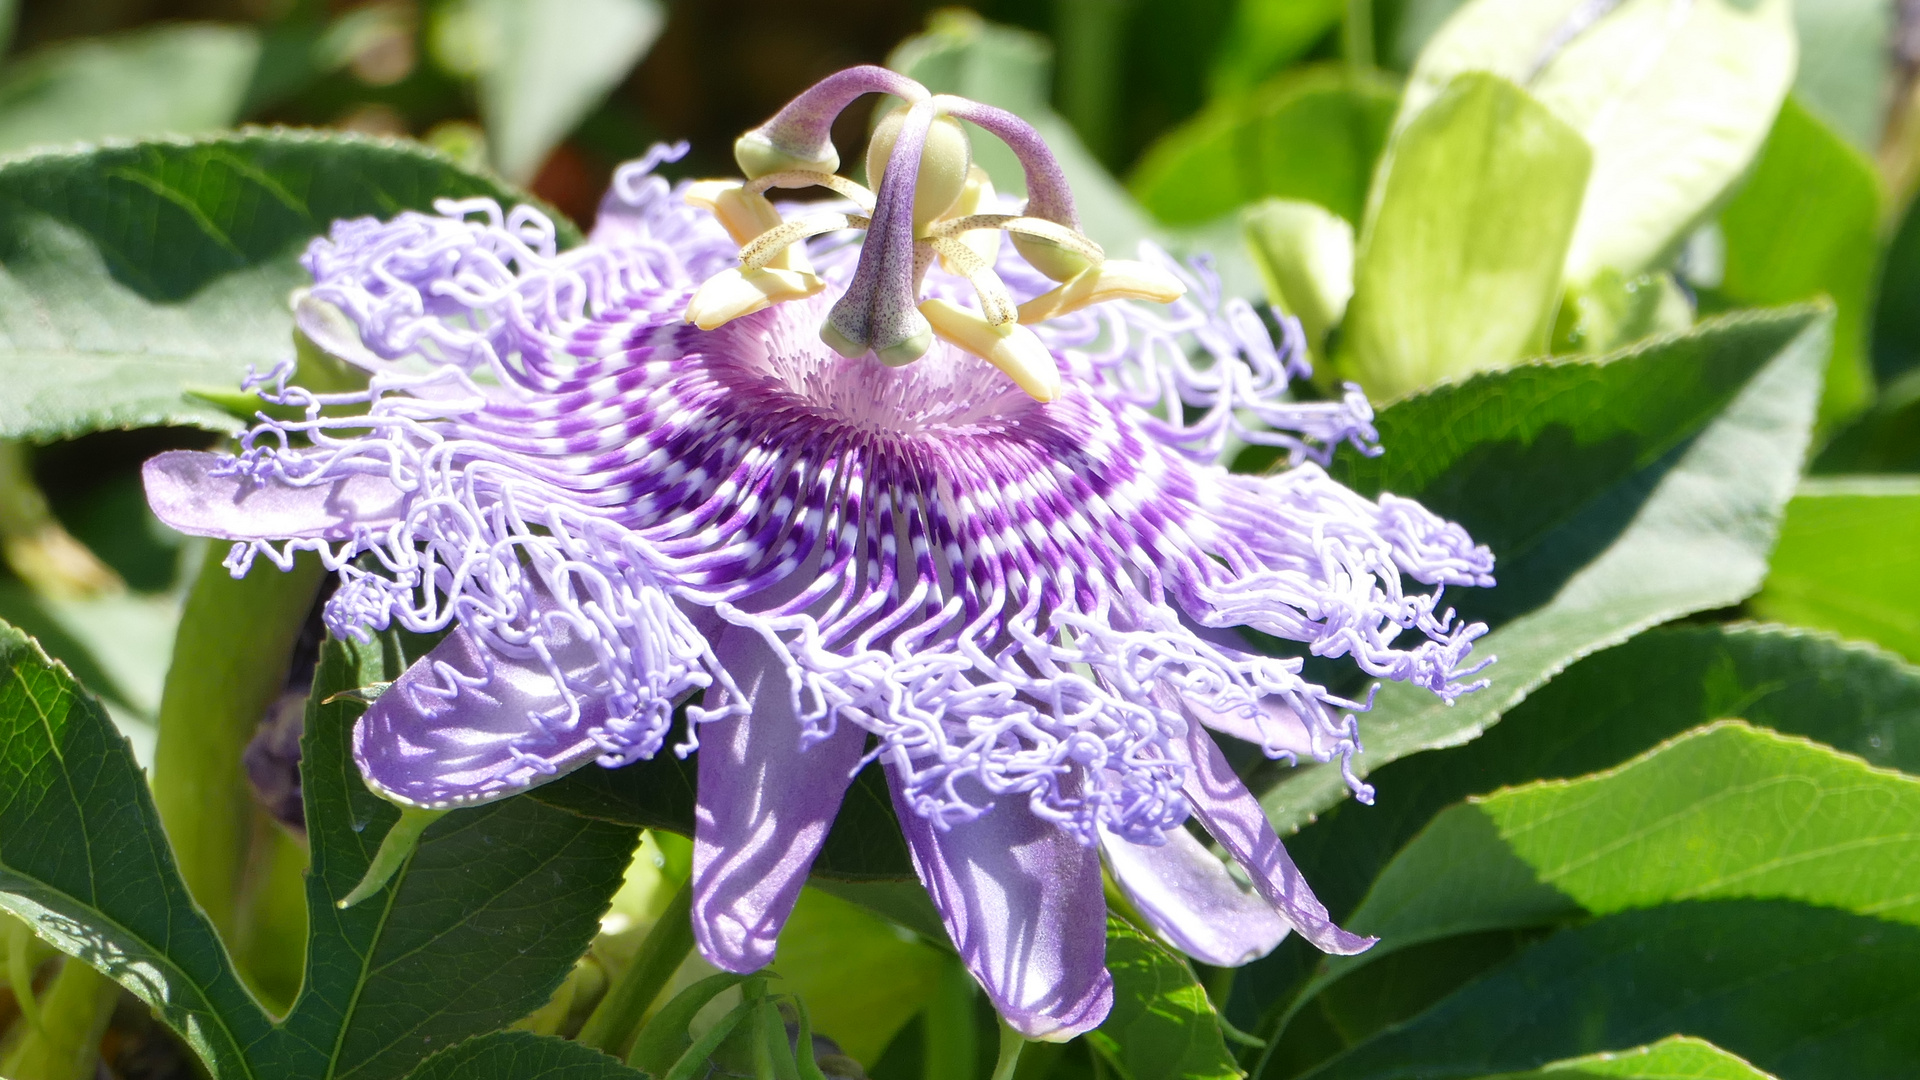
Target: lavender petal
x: 1189, y: 898
x: 198, y: 494
x: 465, y: 725
x: 1231, y: 813
x: 763, y: 809
x: 1022, y: 901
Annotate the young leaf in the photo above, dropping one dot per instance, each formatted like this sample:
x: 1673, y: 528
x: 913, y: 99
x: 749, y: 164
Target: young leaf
x: 84, y: 861
x: 521, y: 1055
x: 1846, y: 57
x: 1725, y: 812
x: 1806, y: 224
x: 1162, y: 1026
x: 1675, y: 1058
x: 549, y: 64
x: 160, y: 80
x: 476, y: 930
x: 1796, y: 990
x: 1674, y: 99
x: 1617, y: 493
x: 1458, y: 264
x: 1847, y: 561
x: 1312, y: 134
x: 131, y: 274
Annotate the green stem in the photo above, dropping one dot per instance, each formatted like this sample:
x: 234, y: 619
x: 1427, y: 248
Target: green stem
x: 953, y: 1045
x: 64, y: 1044
x: 1088, y: 33
x: 20, y: 970
x: 1011, y: 1043
x: 1356, y: 35
x: 611, y: 1025
x: 229, y: 663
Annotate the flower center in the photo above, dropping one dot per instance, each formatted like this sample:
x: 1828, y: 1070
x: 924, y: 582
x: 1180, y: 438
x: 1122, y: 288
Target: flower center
x: 930, y: 202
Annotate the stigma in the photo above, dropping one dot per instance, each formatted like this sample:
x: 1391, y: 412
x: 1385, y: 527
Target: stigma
x: 928, y: 202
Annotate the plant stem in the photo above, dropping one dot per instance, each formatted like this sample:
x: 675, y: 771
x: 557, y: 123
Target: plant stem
x: 1356, y: 35
x: 953, y: 1043
x: 229, y: 663
x: 611, y: 1025
x: 1089, y: 34
x: 65, y: 1041
x: 1011, y: 1043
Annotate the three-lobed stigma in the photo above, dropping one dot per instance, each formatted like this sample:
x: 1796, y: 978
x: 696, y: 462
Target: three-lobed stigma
x: 928, y: 201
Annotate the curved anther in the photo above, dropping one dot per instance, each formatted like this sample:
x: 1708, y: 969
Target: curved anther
x: 996, y: 302
x: 747, y: 216
x: 1023, y: 225
x: 762, y: 250
x: 791, y: 179
x: 799, y: 136
x: 1010, y: 347
x: 1114, y: 279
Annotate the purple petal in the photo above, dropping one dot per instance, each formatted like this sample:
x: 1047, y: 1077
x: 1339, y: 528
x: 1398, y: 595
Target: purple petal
x: 1189, y: 898
x: 1023, y: 904
x: 184, y: 491
x: 763, y: 810
x: 1231, y: 813
x: 465, y: 725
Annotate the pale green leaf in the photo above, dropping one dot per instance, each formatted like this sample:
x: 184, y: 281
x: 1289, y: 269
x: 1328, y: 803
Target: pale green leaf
x: 1458, y: 263
x: 167, y: 79
x: 1846, y: 65
x: 1305, y: 255
x: 1806, y: 224
x: 1676, y: 1058
x: 1675, y: 99
x: 1849, y: 561
x: 1312, y: 134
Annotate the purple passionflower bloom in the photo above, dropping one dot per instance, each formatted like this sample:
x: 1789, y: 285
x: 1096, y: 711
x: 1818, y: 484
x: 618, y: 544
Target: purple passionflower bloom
x: 919, y: 496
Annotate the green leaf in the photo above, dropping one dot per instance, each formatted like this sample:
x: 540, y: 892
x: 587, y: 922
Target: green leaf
x: 130, y: 274
x: 1617, y: 493
x: 1267, y: 35
x: 521, y: 1055
x: 1675, y: 1058
x: 165, y: 79
x: 476, y: 930
x: 1725, y: 812
x: 1305, y: 255
x: 1847, y: 561
x: 1675, y: 101
x: 84, y: 861
x: 1806, y: 224
x: 1458, y: 264
x: 1312, y: 134
x: 550, y: 63
x: 1162, y: 1026
x: 1798, y: 991
x: 1620, y: 703
x: 861, y: 978
x: 1846, y: 65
